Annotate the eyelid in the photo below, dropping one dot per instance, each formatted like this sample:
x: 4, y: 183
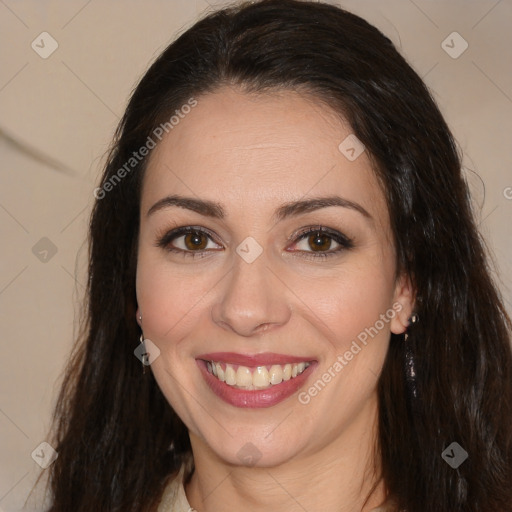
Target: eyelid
x: 344, y: 242
x: 166, y: 236
x: 318, y: 228
x: 164, y: 240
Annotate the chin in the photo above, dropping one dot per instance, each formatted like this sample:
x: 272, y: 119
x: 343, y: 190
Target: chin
x: 253, y: 450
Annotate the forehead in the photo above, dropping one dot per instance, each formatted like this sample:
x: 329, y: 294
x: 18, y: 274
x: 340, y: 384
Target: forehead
x: 259, y: 149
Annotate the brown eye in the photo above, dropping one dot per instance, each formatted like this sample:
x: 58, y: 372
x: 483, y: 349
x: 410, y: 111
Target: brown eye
x: 193, y: 241
x: 320, y: 241
x: 188, y: 241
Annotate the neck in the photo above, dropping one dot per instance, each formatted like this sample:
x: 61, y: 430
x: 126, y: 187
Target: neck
x: 337, y: 477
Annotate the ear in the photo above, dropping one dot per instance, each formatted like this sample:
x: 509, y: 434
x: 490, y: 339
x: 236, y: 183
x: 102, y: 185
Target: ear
x: 403, y: 304
x: 138, y: 317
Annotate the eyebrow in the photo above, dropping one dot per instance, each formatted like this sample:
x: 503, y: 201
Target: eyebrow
x: 216, y: 211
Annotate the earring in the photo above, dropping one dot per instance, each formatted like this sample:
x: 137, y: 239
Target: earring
x: 414, y: 319
x: 410, y: 370
x: 144, y: 355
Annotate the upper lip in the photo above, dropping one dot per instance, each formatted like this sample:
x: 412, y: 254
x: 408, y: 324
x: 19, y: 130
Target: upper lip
x: 263, y: 359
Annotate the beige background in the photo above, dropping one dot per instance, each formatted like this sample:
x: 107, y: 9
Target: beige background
x: 67, y: 106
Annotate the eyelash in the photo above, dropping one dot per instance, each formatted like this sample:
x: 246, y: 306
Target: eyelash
x: 344, y: 242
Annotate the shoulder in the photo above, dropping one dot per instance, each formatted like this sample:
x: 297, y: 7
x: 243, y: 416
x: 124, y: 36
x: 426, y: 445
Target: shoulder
x: 174, y: 498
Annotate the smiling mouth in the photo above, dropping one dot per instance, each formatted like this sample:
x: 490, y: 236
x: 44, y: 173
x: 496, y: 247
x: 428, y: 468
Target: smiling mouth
x: 256, y: 377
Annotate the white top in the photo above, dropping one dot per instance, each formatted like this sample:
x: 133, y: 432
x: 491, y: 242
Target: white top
x: 174, y: 498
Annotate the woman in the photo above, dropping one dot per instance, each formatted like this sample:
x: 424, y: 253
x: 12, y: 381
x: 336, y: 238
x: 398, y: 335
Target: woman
x: 283, y: 225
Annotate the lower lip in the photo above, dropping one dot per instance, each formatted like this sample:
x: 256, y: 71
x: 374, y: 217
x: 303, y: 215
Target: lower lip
x: 255, y: 398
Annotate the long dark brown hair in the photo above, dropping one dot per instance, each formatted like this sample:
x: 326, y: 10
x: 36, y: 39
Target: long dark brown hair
x: 119, y: 441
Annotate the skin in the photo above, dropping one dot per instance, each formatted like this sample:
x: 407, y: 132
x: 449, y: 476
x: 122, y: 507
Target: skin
x: 252, y: 153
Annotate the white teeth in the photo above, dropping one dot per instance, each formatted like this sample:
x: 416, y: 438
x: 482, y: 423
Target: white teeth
x: 220, y: 372
x: 230, y: 375
x: 243, y: 376
x: 260, y: 378
x: 276, y: 374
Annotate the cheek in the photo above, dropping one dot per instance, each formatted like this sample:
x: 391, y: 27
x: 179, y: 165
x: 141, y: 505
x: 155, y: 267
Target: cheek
x: 355, y: 319
x: 169, y: 301
x: 351, y: 300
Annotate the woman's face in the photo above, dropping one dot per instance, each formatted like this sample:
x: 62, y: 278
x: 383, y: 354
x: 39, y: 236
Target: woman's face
x: 295, y: 325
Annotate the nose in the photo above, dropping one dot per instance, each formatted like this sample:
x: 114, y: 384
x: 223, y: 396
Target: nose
x: 251, y: 299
